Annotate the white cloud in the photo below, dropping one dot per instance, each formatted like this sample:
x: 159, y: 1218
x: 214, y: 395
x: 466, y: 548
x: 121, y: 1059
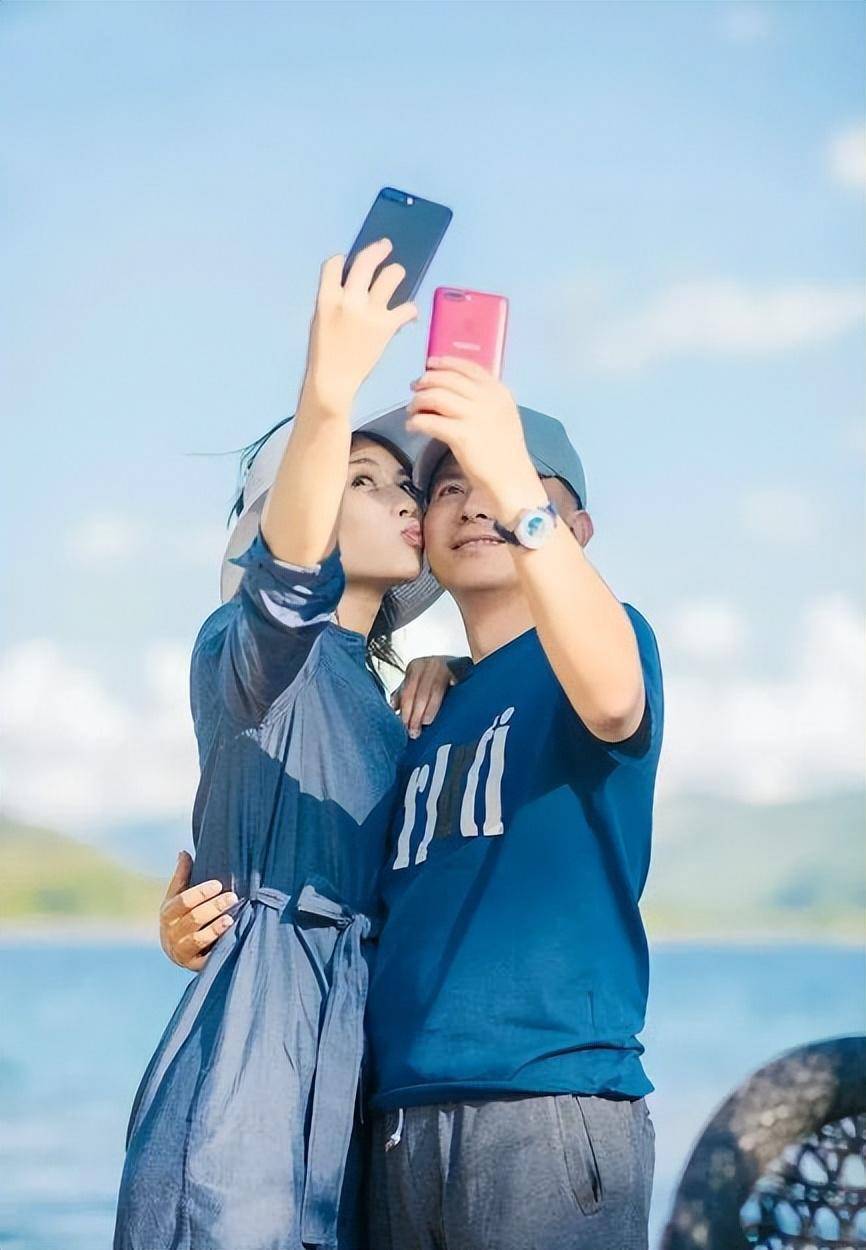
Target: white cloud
x: 847, y: 156
x: 104, y: 540
x: 779, y: 515
x: 744, y: 23
x: 708, y: 630
x: 765, y: 739
x: 725, y: 318
x: 77, y: 757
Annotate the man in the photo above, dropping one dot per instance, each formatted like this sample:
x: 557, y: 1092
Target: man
x: 511, y: 978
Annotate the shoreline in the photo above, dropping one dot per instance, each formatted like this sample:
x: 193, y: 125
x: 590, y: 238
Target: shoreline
x: 140, y: 933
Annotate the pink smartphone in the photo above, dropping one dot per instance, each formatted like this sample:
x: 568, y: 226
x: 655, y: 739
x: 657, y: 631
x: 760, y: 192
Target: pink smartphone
x: 469, y: 324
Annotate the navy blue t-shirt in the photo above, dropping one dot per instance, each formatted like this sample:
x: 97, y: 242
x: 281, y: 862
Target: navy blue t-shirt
x: 513, y: 957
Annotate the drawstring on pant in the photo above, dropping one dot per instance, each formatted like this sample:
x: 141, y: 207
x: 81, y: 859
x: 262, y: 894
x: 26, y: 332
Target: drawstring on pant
x: 397, y: 1136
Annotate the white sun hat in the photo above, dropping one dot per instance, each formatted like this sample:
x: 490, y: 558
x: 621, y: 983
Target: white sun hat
x: 409, y: 599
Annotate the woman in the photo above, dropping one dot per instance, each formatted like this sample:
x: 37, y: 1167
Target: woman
x: 243, y: 1134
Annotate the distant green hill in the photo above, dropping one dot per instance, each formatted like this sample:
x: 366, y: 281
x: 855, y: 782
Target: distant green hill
x: 49, y: 877
x: 723, y: 867
x: 720, y: 869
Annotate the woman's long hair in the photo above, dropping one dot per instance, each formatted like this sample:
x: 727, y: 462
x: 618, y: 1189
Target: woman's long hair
x: 380, y: 645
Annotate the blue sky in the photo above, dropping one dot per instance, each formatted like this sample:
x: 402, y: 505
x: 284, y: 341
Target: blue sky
x: 671, y: 196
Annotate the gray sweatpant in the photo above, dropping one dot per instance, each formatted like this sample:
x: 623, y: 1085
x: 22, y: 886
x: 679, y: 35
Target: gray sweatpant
x: 549, y: 1172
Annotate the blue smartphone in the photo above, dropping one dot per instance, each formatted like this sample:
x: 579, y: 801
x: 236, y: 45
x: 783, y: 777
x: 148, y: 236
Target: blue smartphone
x: 415, y: 227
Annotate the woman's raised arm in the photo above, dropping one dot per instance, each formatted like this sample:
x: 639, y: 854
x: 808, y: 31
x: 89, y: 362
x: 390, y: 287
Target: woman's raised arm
x: 351, y: 327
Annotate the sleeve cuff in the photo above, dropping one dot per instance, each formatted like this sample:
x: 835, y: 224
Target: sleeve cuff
x: 259, y: 555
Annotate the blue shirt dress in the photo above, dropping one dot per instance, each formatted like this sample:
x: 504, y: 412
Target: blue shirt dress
x: 244, y: 1133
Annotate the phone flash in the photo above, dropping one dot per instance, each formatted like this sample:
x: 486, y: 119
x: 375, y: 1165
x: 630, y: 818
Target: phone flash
x: 409, y: 199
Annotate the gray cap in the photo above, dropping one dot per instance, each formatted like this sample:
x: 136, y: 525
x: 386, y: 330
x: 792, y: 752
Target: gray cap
x: 410, y: 599
x: 549, y: 447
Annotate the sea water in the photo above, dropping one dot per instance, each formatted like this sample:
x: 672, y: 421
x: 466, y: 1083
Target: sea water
x: 79, y: 1022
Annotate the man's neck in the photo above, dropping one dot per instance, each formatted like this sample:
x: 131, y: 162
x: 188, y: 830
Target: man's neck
x: 492, y: 618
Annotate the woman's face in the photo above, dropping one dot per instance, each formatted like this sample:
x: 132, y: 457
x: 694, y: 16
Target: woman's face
x: 379, y: 532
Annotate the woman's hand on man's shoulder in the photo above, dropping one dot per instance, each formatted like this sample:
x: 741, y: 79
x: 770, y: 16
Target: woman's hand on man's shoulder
x: 425, y: 683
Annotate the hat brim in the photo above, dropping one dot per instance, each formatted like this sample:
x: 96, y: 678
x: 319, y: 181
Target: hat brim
x: 435, y: 452
x: 240, y: 539
x: 549, y: 447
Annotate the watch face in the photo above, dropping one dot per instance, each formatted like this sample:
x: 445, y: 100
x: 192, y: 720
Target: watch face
x: 534, y: 527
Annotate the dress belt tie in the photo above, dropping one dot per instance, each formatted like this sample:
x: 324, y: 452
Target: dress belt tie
x: 339, y: 1058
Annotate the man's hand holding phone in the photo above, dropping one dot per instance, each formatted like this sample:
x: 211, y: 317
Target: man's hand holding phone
x: 473, y: 413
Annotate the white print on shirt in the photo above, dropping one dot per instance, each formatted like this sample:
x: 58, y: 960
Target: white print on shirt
x: 491, y: 746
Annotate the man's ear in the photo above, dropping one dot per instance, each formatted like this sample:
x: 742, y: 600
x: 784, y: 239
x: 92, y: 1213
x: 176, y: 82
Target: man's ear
x: 577, y: 519
x: 580, y: 523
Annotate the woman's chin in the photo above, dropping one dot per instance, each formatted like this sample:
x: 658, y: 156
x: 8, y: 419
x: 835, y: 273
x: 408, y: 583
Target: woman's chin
x: 410, y: 566
x: 400, y: 566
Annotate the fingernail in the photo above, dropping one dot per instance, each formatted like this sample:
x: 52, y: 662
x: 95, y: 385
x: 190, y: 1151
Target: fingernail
x: 228, y: 921
x: 414, y: 733
x: 231, y: 900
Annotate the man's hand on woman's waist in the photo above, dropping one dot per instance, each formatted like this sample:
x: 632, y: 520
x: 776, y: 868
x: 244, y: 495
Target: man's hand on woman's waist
x: 191, y: 918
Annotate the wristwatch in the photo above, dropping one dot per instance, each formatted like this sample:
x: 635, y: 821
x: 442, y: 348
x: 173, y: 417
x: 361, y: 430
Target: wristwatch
x: 534, y: 526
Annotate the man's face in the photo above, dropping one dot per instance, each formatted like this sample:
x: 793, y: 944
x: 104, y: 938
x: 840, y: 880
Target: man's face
x: 462, y: 547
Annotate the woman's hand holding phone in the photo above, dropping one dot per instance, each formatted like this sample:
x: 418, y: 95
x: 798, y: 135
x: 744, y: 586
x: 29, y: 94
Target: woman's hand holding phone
x: 352, y: 325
